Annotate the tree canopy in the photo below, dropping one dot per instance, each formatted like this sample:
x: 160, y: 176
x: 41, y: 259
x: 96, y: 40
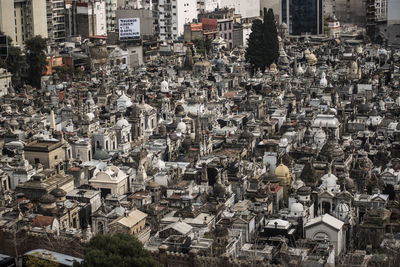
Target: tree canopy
x: 36, y: 58
x: 121, y: 250
x: 203, y: 45
x: 263, y: 44
x: 15, y: 62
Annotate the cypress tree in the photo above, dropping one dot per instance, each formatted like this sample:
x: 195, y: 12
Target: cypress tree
x: 255, y: 48
x: 271, y: 43
x: 263, y: 44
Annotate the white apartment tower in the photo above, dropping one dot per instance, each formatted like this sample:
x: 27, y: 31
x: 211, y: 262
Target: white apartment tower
x: 171, y: 16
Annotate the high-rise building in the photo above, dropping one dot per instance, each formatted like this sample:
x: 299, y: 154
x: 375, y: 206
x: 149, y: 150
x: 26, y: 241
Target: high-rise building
x: 371, y: 18
x: 56, y: 20
x: 91, y: 18
x: 350, y: 12
x: 246, y: 8
x: 7, y: 18
x: 111, y: 7
x: 381, y: 10
x: 23, y: 19
x: 303, y: 16
x: 386, y: 26
x: 170, y: 16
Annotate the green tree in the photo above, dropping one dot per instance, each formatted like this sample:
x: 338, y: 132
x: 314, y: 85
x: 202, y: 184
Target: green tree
x: 36, y: 58
x: 203, y: 45
x: 15, y: 62
x: 271, y: 43
x: 327, y: 30
x: 121, y: 250
x: 263, y: 44
x: 255, y: 47
x: 63, y: 72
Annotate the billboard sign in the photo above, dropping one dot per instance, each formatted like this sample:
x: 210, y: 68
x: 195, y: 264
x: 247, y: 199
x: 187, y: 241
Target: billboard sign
x: 129, y: 28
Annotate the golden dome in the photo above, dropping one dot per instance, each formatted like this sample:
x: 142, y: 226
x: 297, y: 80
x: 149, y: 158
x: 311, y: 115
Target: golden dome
x: 312, y: 59
x: 282, y: 171
x: 354, y: 66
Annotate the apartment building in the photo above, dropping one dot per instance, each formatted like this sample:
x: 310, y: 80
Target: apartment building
x: 91, y: 18
x: 170, y: 16
x: 23, y: 19
x: 111, y: 8
x: 350, y: 12
x: 56, y: 20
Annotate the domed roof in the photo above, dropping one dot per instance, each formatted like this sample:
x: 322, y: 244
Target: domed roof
x: 58, y: 192
x: 14, y: 122
x: 354, y: 65
x: 101, y: 154
x: 329, y: 178
x: 296, y: 208
x: 122, y: 122
x: 284, y: 26
x: 342, y: 208
x: 159, y: 164
x: 303, y: 191
x: 349, y: 183
x: 179, y: 109
x: 89, y: 100
x: 124, y: 101
x: 181, y: 127
x: 320, y: 135
x: 47, y: 199
x: 331, y: 151
x: 164, y: 86
x: 282, y: 171
x: 312, y: 59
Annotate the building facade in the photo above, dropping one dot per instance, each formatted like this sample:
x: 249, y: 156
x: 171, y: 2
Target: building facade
x: 91, y: 18
x: 23, y: 19
x: 5, y: 81
x: 56, y: 20
x: 246, y: 8
x: 347, y: 12
x: 303, y: 16
x: 170, y: 17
